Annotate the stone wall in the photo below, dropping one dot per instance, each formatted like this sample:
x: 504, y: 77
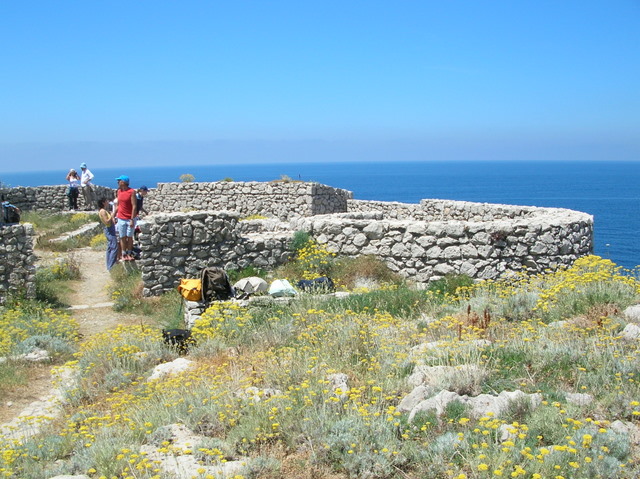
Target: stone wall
x: 17, y: 261
x: 481, y: 240
x: 441, y: 210
x: 179, y: 245
x: 49, y: 198
x: 490, y: 243
x: 274, y: 199
x: 420, y: 241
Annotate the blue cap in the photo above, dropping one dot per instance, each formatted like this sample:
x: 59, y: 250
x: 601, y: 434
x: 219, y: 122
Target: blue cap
x: 124, y: 178
x: 143, y: 188
x: 83, y: 165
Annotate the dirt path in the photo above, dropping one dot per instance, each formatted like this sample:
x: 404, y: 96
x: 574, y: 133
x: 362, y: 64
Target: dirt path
x: 91, y: 303
x: 91, y: 308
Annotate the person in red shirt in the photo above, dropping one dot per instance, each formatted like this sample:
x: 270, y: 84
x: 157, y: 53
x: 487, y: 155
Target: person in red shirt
x: 125, y: 216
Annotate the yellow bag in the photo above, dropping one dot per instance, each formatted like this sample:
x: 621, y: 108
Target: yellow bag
x: 190, y: 289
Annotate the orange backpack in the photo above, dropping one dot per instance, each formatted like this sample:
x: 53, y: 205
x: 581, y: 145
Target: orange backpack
x: 190, y: 289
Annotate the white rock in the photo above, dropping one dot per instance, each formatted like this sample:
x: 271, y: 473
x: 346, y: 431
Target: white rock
x: 410, y: 401
x: 339, y: 381
x: 579, y: 399
x: 445, y: 375
x: 36, y: 356
x: 173, y: 367
x: 628, y: 428
x: 506, y: 432
x: 632, y: 313
x: 631, y: 332
x: 478, y: 405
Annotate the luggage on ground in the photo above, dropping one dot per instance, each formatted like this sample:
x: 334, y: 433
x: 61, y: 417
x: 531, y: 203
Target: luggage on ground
x: 215, y: 284
x: 281, y: 287
x: 190, y: 289
x: 322, y: 284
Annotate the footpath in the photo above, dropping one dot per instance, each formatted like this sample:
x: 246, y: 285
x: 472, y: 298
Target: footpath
x: 92, y: 309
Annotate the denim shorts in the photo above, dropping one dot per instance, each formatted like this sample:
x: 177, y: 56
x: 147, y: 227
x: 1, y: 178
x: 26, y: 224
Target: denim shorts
x: 124, y: 228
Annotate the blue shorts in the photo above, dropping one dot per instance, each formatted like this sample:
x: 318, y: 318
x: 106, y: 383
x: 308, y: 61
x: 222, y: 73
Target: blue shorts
x: 124, y: 228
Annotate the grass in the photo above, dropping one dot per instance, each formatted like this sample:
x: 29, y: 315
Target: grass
x: 52, y: 281
x: 126, y: 293
x: 263, y: 386
x: 50, y: 226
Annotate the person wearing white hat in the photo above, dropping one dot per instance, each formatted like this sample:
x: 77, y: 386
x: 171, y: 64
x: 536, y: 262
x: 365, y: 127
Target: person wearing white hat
x: 87, y: 188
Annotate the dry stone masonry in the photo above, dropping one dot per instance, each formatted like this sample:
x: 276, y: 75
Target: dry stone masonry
x: 282, y: 200
x: 179, y: 245
x: 17, y: 261
x: 430, y: 244
x: 421, y: 241
x: 194, y: 225
x: 50, y: 198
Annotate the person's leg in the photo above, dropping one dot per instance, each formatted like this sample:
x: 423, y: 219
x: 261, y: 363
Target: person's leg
x: 112, y: 247
x: 90, y: 199
x: 74, y: 195
x: 85, y: 197
x: 130, y: 231
x: 122, y: 227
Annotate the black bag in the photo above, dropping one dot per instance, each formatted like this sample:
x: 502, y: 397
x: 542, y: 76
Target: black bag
x: 215, y: 284
x: 323, y: 284
x: 11, y: 214
x: 179, y: 338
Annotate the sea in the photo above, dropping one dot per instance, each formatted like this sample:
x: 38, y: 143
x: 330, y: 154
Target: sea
x: 608, y: 190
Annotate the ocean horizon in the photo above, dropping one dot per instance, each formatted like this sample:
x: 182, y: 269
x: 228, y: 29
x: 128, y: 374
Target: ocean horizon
x: 608, y: 190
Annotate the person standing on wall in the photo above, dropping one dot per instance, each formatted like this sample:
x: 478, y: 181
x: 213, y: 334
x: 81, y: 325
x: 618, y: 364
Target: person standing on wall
x: 73, y: 189
x: 87, y: 187
x: 125, y: 216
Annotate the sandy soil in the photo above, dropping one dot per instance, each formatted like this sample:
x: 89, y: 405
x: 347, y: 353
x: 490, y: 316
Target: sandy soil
x: 94, y: 314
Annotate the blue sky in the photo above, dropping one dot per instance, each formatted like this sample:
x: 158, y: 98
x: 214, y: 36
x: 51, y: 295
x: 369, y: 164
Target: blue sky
x: 163, y: 82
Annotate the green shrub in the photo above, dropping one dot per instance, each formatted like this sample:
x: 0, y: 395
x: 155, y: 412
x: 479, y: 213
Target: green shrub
x: 300, y: 240
x: 52, y: 281
x: 348, y: 271
x: 187, y: 178
x: 449, y: 285
x: 237, y: 274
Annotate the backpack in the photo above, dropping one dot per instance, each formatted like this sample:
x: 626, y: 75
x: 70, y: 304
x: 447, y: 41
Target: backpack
x: 215, y: 284
x: 280, y: 288
x: 178, y: 338
x: 11, y: 214
x: 322, y: 284
x: 190, y: 289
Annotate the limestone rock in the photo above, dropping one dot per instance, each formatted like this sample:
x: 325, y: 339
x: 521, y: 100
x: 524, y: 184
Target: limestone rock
x: 478, y: 405
x: 579, y: 399
x: 632, y: 313
x: 631, y: 332
x: 174, y: 367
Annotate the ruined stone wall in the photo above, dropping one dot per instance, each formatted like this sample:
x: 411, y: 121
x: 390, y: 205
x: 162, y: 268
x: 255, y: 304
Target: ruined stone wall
x: 442, y: 210
x: 485, y: 246
x: 179, y: 245
x: 17, y: 261
x: 49, y: 198
x: 274, y: 199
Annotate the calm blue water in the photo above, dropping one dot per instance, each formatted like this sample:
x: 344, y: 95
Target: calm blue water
x: 607, y: 190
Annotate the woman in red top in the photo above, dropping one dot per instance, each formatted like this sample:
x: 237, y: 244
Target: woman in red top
x: 125, y: 214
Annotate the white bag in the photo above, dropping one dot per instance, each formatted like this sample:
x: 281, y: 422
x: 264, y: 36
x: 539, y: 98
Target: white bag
x: 281, y: 287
